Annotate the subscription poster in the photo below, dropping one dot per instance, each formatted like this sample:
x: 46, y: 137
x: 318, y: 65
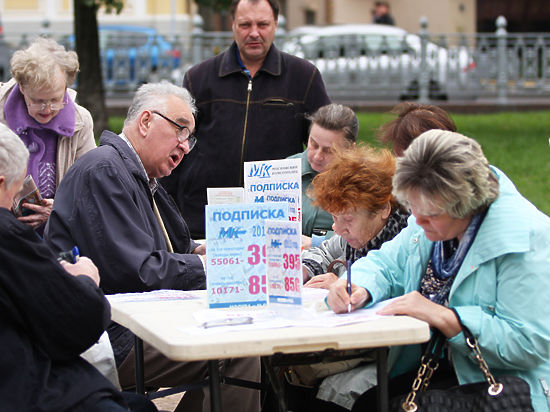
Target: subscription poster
x: 236, y: 252
x: 275, y: 181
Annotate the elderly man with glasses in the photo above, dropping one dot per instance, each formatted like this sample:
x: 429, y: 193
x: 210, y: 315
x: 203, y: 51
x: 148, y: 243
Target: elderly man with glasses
x: 110, y: 205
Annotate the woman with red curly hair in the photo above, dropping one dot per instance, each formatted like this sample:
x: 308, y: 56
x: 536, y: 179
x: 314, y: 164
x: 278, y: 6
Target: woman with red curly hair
x: 356, y: 190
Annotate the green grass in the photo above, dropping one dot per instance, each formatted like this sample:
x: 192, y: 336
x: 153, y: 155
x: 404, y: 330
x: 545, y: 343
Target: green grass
x: 515, y: 142
x: 115, y: 124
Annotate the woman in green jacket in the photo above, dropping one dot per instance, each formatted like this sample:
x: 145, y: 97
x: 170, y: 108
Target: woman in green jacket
x: 332, y: 127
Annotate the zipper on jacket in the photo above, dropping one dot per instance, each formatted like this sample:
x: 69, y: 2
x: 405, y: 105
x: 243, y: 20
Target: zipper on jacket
x: 249, y: 91
x: 545, y: 389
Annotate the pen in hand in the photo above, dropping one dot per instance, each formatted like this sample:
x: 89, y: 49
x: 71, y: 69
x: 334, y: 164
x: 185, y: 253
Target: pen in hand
x: 349, y: 283
x: 70, y: 256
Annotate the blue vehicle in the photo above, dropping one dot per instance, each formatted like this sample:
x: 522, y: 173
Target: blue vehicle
x: 129, y: 54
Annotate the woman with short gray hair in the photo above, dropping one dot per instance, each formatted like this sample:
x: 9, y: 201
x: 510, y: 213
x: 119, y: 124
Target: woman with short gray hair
x: 475, y: 253
x: 40, y: 108
x: 333, y: 126
x: 451, y: 174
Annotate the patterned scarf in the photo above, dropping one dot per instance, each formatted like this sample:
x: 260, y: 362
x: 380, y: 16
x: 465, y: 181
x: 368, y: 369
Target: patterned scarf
x: 396, y: 222
x: 40, y: 139
x: 447, y: 266
x: 442, y: 268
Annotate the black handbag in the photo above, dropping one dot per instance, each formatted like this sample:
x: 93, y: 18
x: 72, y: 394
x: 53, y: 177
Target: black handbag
x: 505, y: 393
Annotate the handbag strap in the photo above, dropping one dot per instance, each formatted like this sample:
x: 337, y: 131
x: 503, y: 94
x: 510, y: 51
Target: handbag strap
x: 494, y: 387
x: 430, y: 361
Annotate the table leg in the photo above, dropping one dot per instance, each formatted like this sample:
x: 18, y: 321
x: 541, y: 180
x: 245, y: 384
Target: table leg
x: 140, y: 368
x: 215, y: 386
x: 276, y: 385
x: 382, y: 378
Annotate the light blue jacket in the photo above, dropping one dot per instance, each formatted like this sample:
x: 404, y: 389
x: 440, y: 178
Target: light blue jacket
x: 501, y: 292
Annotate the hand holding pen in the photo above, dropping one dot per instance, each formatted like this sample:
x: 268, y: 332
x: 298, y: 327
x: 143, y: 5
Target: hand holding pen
x: 340, y: 300
x: 76, y: 265
x: 70, y: 256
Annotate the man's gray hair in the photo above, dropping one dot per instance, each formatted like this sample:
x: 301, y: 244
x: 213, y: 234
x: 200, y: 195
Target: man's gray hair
x: 153, y: 96
x: 449, y: 171
x: 36, y: 66
x: 13, y: 156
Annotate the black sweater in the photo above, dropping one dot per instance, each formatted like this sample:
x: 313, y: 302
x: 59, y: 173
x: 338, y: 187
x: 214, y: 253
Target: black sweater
x: 47, y: 317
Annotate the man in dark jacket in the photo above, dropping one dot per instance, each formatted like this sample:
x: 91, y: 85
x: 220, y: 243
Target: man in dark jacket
x: 111, y: 206
x: 252, y: 100
x: 50, y: 313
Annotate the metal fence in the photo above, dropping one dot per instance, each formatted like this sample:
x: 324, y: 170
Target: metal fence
x: 355, y: 66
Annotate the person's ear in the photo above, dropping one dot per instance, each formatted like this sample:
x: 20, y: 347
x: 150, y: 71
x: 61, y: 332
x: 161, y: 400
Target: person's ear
x: 386, y: 211
x: 144, y: 122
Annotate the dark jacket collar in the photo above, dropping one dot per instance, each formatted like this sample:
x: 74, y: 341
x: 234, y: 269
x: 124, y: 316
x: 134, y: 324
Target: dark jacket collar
x: 272, y: 63
x: 128, y: 155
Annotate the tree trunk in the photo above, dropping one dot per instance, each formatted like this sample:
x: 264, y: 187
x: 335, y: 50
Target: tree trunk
x: 90, y: 79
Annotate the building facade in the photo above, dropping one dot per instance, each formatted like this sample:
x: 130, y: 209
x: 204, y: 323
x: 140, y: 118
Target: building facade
x: 56, y: 16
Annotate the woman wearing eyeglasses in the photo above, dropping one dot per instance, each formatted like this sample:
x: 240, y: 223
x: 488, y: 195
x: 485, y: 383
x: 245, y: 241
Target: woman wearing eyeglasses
x: 37, y: 105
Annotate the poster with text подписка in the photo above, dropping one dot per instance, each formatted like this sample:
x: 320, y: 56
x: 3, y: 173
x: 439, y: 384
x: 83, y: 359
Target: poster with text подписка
x: 284, y: 270
x: 275, y: 181
x: 235, y: 253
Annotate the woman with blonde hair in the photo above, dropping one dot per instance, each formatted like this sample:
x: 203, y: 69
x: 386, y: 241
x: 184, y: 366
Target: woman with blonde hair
x: 40, y: 108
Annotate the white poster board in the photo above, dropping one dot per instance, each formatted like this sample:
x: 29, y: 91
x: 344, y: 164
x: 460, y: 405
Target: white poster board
x: 284, y: 268
x: 235, y: 253
x: 275, y: 181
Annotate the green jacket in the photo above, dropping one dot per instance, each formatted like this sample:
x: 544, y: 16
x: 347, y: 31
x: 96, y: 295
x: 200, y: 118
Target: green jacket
x: 312, y: 217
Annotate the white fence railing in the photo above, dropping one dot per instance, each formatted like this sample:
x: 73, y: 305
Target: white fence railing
x: 355, y: 66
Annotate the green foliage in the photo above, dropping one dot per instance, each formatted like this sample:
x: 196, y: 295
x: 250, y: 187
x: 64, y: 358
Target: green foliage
x: 115, y: 124
x: 515, y: 142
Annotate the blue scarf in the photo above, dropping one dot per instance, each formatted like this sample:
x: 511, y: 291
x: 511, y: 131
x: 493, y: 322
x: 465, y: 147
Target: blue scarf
x: 447, y: 266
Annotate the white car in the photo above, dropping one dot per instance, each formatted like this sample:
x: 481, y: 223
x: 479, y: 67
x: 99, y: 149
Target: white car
x: 381, y: 61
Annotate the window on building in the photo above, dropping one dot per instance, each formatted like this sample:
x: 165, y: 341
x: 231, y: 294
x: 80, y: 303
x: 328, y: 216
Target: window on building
x: 309, y: 16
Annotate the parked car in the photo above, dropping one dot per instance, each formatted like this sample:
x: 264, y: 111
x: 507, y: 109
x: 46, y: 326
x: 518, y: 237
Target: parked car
x: 130, y: 53
x: 387, y: 58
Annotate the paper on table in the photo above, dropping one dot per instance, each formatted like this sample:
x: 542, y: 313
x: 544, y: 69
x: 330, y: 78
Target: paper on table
x: 265, y: 318
x: 331, y: 319
x: 261, y: 319
x: 154, y: 296
x: 313, y: 295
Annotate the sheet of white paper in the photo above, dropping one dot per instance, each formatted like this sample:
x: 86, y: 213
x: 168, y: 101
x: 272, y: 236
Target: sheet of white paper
x: 331, y: 319
x: 261, y: 318
x: 265, y: 318
x: 156, y: 295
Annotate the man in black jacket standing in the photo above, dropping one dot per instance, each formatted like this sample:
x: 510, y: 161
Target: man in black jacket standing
x: 111, y: 206
x: 251, y: 100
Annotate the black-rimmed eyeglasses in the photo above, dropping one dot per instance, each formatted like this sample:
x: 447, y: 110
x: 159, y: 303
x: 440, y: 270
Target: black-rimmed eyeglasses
x: 183, y: 133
